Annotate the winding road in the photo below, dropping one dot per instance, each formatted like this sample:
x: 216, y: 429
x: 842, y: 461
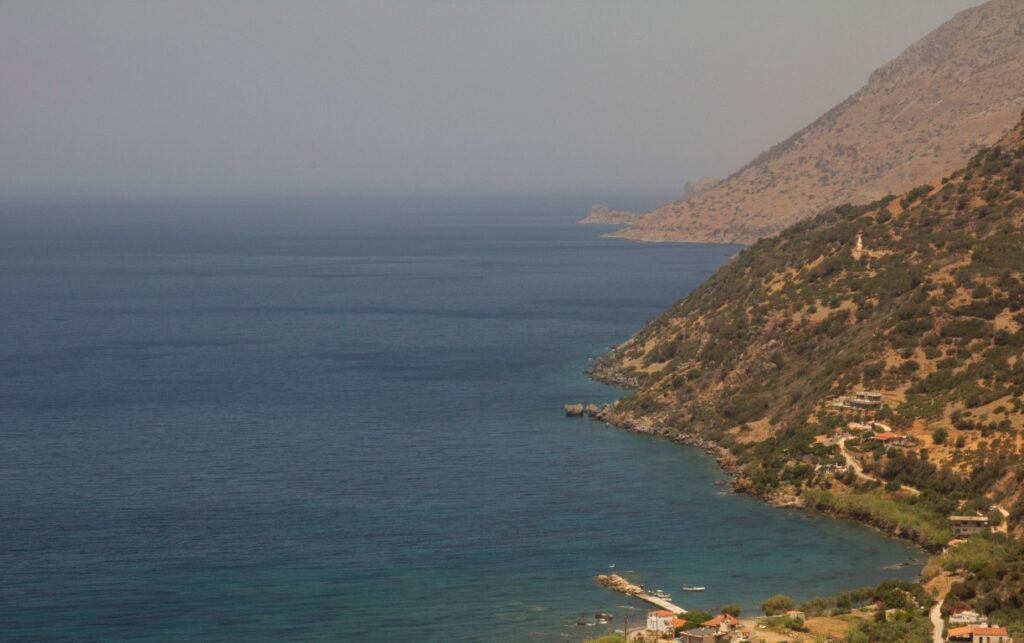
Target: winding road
x: 859, y: 470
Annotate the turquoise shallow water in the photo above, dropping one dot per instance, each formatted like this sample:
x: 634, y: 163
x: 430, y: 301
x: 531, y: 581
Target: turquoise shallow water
x: 344, y: 422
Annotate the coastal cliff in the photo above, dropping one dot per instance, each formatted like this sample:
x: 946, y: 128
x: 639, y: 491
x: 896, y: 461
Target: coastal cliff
x: 919, y: 117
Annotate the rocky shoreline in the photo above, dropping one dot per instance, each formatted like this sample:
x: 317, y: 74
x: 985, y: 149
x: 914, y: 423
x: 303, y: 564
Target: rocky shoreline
x: 611, y: 416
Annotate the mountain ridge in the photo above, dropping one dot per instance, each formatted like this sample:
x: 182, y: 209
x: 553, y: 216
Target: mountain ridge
x: 918, y: 118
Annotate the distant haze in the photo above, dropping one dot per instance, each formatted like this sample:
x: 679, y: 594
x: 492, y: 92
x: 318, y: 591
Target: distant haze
x: 361, y: 98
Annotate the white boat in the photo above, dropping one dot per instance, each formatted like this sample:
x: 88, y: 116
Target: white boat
x: 694, y: 588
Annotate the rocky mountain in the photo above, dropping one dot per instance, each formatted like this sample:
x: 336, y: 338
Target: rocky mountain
x: 918, y: 118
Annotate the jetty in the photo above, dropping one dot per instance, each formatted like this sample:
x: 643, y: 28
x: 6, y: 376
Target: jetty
x: 620, y: 584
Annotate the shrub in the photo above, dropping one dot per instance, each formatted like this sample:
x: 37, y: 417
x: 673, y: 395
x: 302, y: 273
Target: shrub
x: 778, y: 604
x: 732, y: 609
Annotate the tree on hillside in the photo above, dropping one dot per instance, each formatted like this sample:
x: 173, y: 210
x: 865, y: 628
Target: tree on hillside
x: 778, y: 604
x: 732, y: 609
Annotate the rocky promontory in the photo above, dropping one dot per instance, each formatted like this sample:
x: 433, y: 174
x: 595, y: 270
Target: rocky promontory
x: 603, y: 215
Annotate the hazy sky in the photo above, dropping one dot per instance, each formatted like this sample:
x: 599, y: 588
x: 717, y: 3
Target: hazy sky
x: 356, y: 98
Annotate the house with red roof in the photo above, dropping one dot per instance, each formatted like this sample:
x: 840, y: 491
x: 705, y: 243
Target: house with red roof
x: 723, y: 628
x: 723, y: 623
x: 661, y: 621
x: 893, y: 439
x: 979, y: 634
x: 702, y: 635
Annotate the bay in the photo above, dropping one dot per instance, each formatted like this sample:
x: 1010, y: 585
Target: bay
x: 342, y: 421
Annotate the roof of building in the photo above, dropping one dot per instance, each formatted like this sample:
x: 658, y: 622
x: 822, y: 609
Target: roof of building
x: 661, y: 613
x: 885, y: 437
x: 701, y: 631
x: 715, y: 622
x: 677, y: 622
x: 971, y: 630
x: 969, y: 518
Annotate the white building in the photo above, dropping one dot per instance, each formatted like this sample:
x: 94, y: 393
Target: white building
x: 965, y: 617
x: 968, y: 525
x: 660, y: 621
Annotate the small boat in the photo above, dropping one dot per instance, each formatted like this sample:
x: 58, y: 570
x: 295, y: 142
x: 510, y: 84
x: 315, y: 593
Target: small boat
x: 694, y: 588
x: 611, y: 566
x: 662, y: 595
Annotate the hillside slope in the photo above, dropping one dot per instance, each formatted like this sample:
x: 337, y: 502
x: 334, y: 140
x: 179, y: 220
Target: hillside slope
x: 918, y: 118
x: 919, y: 297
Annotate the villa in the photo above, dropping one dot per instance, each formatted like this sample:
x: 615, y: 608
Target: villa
x: 867, y: 400
x: 965, y: 617
x: 968, y: 525
x: 860, y: 401
x: 893, y: 439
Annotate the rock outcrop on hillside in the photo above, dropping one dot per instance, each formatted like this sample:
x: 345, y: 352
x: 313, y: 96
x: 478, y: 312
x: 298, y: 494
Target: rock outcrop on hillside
x: 918, y: 118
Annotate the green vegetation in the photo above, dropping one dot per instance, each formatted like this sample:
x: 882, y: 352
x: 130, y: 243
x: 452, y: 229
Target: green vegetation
x: 910, y: 521
x: 900, y: 612
x: 993, y: 570
x: 902, y: 628
x: 841, y: 603
x: 778, y: 604
x: 732, y: 609
x: 787, y: 623
x: 694, y: 619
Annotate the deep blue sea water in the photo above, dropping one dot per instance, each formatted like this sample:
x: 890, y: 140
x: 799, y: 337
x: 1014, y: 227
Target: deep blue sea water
x: 343, y: 422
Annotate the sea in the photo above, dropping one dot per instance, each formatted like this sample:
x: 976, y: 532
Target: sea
x: 265, y: 421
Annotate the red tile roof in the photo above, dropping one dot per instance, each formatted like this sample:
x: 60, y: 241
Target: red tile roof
x: 715, y: 622
x: 661, y: 613
x: 971, y: 630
